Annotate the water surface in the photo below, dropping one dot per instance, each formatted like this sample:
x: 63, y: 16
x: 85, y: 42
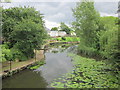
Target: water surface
x: 57, y: 64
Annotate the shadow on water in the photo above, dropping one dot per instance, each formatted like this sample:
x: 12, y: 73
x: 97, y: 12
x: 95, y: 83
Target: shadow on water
x: 57, y: 64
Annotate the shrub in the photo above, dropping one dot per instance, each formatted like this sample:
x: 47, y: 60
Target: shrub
x: 63, y: 38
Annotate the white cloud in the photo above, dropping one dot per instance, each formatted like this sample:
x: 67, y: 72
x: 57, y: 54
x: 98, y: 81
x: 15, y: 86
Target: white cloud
x: 57, y: 12
x: 106, y: 14
x: 50, y: 24
x: 58, y: 16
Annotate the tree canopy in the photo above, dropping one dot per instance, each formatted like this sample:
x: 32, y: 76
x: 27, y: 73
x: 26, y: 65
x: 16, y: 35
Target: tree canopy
x: 98, y: 35
x: 54, y: 29
x: 64, y: 27
x: 87, y: 25
x: 24, y: 29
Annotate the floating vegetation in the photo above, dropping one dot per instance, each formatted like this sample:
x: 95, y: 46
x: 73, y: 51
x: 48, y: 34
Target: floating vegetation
x: 88, y: 73
x: 37, y: 65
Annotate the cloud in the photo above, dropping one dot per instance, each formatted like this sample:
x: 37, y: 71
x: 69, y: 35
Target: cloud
x: 107, y: 7
x: 56, y: 12
x: 50, y: 24
x: 58, y: 16
x: 106, y: 14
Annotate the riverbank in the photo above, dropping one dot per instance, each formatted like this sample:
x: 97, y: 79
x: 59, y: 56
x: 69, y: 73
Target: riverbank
x: 88, y: 73
x: 14, y: 67
x: 17, y: 66
x: 56, y: 63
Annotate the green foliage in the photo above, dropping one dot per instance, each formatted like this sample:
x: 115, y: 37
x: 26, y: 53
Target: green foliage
x: 54, y: 29
x: 6, y: 53
x: 24, y: 29
x: 87, y: 73
x: 64, y: 27
x: 87, y: 25
x: 37, y: 65
x: 98, y: 35
x: 87, y: 51
x: 67, y: 39
x: 109, y: 43
x: 63, y: 38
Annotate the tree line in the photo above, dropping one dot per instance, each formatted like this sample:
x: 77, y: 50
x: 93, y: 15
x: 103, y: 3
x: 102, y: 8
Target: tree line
x: 63, y: 27
x: 98, y: 35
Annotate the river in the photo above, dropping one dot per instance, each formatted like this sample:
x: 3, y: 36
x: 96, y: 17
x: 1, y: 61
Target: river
x: 57, y: 64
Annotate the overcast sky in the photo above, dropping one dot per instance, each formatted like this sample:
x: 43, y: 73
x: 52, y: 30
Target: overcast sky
x: 56, y: 12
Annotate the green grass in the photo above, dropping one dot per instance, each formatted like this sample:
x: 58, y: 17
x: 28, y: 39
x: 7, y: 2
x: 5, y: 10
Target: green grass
x: 87, y: 73
x: 67, y: 39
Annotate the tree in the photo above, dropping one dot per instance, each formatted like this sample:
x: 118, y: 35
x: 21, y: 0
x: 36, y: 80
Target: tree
x: 54, y: 29
x: 6, y: 54
x: 64, y: 27
x: 87, y: 26
x: 24, y: 29
x: 109, y: 38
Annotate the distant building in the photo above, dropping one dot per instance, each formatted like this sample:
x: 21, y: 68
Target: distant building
x: 62, y: 33
x: 57, y: 33
x: 53, y: 33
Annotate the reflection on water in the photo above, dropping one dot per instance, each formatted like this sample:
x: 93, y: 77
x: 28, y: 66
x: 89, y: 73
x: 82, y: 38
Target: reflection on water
x: 57, y: 64
x: 25, y: 79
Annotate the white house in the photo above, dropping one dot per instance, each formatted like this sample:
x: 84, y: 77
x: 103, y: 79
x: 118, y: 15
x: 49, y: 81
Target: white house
x: 53, y: 33
x: 62, y: 33
x: 57, y: 33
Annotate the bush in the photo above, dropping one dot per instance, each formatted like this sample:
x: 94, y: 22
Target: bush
x: 88, y: 51
x: 7, y: 54
x: 63, y: 38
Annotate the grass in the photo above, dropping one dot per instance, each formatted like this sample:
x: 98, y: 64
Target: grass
x: 66, y: 39
x: 15, y: 65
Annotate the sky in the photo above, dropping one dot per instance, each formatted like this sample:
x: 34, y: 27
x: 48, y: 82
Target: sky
x: 56, y: 11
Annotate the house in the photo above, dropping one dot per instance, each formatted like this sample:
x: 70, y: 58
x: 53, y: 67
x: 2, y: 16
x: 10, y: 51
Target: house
x: 57, y: 33
x: 62, y: 33
x: 53, y: 33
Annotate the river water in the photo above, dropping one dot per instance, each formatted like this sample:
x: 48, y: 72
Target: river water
x: 57, y: 64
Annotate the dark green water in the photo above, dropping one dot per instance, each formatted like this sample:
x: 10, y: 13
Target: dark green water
x: 57, y: 64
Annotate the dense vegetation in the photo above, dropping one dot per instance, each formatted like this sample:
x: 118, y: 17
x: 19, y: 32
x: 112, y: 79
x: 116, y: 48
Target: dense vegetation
x: 64, y: 27
x: 23, y: 32
x: 98, y: 35
x: 87, y: 27
x: 99, y: 40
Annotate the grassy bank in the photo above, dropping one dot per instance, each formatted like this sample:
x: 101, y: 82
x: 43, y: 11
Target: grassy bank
x: 67, y: 39
x: 88, y: 73
x: 19, y: 65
